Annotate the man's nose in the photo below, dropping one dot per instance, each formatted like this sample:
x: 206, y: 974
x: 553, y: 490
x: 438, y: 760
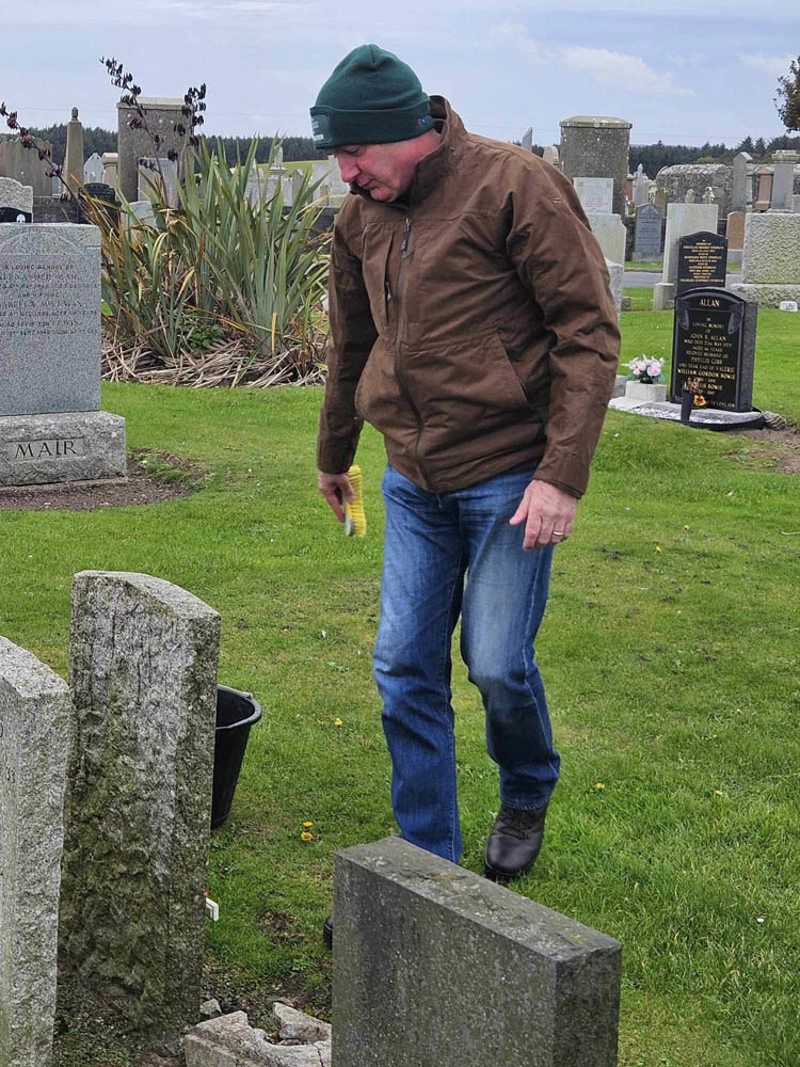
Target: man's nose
x: 348, y: 168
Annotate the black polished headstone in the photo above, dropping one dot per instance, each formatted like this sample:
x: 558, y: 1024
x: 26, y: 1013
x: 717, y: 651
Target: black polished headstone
x: 702, y: 261
x: 713, y: 347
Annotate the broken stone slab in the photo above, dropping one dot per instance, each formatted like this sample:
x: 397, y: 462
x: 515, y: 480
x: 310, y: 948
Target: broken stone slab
x: 34, y: 738
x: 143, y: 674
x: 466, y: 973
x: 231, y: 1042
x: 295, y: 1025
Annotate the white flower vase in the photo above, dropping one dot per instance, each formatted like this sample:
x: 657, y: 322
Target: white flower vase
x: 646, y: 394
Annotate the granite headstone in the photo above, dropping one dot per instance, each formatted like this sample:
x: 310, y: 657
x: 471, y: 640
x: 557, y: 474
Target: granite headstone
x: 702, y: 261
x: 647, y: 233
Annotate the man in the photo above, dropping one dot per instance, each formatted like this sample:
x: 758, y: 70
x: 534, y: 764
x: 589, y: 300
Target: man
x: 471, y: 324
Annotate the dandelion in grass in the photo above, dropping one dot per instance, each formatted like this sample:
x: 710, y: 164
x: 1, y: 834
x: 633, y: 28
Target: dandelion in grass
x: 338, y: 722
x: 306, y: 836
x: 599, y: 785
x: 307, y: 825
x: 686, y: 526
x: 659, y: 548
x: 718, y: 793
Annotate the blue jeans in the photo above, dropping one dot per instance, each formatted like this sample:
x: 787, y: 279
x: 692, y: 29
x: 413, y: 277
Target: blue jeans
x: 434, y: 541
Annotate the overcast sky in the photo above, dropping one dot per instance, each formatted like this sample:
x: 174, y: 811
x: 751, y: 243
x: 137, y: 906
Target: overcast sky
x: 683, y: 71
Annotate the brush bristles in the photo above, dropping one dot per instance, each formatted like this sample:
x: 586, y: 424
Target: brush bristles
x: 355, y: 521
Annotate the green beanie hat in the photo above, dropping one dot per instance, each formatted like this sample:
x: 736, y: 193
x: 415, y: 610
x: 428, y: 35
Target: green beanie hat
x: 372, y: 97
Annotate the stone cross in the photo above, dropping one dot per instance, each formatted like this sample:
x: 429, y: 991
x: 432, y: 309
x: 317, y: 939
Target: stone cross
x: 143, y: 674
x: 466, y: 972
x: 34, y: 725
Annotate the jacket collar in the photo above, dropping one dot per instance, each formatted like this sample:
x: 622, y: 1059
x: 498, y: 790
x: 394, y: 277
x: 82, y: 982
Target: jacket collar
x: 431, y: 168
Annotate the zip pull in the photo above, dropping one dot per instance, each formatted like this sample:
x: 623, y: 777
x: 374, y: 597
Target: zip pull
x: 388, y: 291
x: 406, y: 231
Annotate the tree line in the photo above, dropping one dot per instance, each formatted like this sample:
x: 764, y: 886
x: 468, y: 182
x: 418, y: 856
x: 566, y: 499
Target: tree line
x: 652, y: 157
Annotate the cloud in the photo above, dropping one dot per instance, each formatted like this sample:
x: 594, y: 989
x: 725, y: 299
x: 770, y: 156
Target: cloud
x: 619, y: 68
x: 599, y: 64
x: 772, y: 65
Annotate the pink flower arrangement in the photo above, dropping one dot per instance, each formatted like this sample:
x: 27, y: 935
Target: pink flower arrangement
x: 645, y: 370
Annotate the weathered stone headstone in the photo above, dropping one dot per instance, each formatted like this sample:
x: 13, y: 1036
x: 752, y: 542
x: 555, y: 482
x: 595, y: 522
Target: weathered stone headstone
x: 51, y: 429
x: 34, y: 737
x: 16, y: 201
x: 782, y: 186
x: 763, y: 176
x: 24, y: 166
x: 616, y: 273
x: 611, y: 235
x: 550, y: 155
x: 641, y: 187
x: 466, y: 974
x: 597, y: 146
x: 741, y: 195
x: 734, y: 230
x: 647, y: 234
x: 73, y: 157
x: 143, y: 674
x: 702, y: 261
x: 595, y: 194
x: 93, y: 169
x: 135, y: 144
x: 110, y: 174
x: 527, y: 139
x: 151, y: 184
x: 682, y: 219
x: 771, y: 260
x: 713, y: 346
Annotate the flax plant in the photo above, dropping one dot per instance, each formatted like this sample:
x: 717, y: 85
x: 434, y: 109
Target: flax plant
x: 253, y: 273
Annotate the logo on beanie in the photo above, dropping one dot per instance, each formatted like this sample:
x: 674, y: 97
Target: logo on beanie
x: 320, y: 127
x: 424, y: 122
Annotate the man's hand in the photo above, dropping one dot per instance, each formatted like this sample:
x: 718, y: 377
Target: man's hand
x: 548, y: 514
x: 336, y: 489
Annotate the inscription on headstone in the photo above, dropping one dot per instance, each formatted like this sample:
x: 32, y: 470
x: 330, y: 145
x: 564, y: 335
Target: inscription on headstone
x: 647, y: 234
x: 49, y: 319
x: 713, y: 348
x: 702, y: 261
x: 595, y: 194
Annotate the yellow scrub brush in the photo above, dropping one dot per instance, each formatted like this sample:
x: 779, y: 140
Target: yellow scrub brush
x: 355, y: 521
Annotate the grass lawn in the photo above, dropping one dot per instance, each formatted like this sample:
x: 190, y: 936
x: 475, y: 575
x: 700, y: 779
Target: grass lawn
x: 670, y: 651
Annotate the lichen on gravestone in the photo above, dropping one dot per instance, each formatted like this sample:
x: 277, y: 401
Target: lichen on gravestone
x: 143, y: 671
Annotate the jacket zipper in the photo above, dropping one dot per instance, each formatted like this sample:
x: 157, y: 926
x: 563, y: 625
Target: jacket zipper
x: 398, y: 363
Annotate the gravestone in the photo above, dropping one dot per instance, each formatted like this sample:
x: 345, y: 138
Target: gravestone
x: 550, y: 155
x: 73, y: 156
x: 742, y: 190
x: 466, y: 973
x: 527, y: 139
x: 597, y: 146
x: 134, y: 144
x: 782, y: 186
x: 647, y: 234
x: 713, y: 344
x: 595, y: 194
x: 702, y: 261
x: 616, y: 273
x: 143, y: 675
x: 611, y: 235
x: 93, y: 169
x: 734, y: 230
x: 763, y: 177
x: 24, y: 166
x: 16, y: 201
x: 51, y: 429
x: 34, y: 736
x: 150, y: 182
x: 771, y: 260
x: 682, y: 219
x: 110, y: 174
x: 641, y: 187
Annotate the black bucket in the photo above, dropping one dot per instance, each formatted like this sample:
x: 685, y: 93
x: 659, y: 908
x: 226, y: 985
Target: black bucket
x: 236, y: 713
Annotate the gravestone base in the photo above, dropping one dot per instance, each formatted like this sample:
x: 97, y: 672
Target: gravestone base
x: 664, y: 296
x: 766, y: 296
x: 67, y: 447
x: 701, y: 418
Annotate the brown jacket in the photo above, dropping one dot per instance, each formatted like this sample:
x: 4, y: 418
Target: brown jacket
x: 471, y: 323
